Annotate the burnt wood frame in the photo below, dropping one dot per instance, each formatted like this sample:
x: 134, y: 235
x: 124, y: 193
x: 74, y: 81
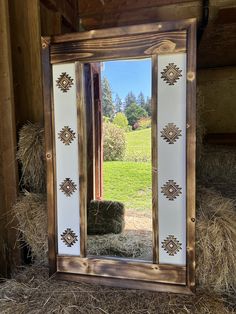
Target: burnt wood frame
x: 113, y: 44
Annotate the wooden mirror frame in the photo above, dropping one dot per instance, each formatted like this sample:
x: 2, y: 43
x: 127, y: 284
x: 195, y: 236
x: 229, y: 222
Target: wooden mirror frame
x: 121, y: 43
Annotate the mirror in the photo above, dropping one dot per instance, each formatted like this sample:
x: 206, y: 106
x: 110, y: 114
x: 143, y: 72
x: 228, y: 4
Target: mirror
x: 120, y: 218
x: 145, y: 218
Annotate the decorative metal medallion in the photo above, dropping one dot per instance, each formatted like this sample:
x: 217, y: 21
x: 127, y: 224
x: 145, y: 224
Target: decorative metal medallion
x: 171, y: 245
x: 69, y: 237
x: 171, y: 74
x: 68, y: 187
x: 171, y: 190
x: 171, y: 133
x: 66, y: 135
x: 64, y: 82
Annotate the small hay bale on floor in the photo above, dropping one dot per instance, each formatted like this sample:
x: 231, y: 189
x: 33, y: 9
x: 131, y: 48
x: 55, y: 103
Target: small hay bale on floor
x: 31, y: 213
x: 105, y: 217
x: 33, y: 292
x: 31, y: 155
x: 216, y: 241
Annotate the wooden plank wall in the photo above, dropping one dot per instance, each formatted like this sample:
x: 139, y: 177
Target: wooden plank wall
x: 103, y: 13
x: 28, y: 22
x: 8, y: 170
x: 26, y: 60
x: 21, y: 27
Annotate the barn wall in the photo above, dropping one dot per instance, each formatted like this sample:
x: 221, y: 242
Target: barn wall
x: 26, y: 49
x: 218, y: 87
x: 28, y: 23
x: 8, y: 171
x: 21, y: 25
x: 101, y: 14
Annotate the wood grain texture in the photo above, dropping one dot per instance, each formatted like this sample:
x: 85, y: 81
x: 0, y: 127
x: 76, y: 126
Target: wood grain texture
x: 26, y: 56
x: 50, y: 153
x: 9, y: 254
x: 82, y: 126
x: 67, y: 9
x: 50, y: 21
x: 122, y: 269
x: 96, y: 7
x: 150, y: 28
x: 98, y: 126
x: 119, y: 47
x: 124, y: 283
x: 217, y: 47
x: 191, y: 154
x: 228, y: 139
x: 89, y: 107
x: 155, y: 232
x: 142, y: 15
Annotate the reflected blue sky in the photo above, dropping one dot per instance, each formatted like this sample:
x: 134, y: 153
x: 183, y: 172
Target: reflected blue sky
x: 128, y: 75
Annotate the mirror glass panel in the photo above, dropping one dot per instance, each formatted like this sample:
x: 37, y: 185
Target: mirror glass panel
x: 119, y: 216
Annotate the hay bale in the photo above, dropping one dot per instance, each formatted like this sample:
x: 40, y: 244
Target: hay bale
x: 218, y: 169
x: 31, y: 213
x: 31, y: 156
x: 216, y: 241
x: 215, y: 231
x: 33, y: 292
x: 105, y: 217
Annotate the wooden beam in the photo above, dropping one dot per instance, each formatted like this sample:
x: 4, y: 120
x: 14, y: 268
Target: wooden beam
x: 67, y: 9
x: 97, y: 7
x: 8, y: 169
x: 50, y: 21
x: 122, y: 13
x: 26, y: 55
x: 228, y: 139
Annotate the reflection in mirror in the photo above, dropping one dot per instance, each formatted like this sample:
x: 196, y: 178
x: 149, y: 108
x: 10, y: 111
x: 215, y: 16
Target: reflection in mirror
x: 120, y: 215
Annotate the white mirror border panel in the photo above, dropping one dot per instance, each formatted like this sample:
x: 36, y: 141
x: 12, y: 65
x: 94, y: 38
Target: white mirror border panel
x: 66, y: 159
x: 171, y: 156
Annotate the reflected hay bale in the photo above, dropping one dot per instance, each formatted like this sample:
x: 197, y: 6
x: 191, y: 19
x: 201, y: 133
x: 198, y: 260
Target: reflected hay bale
x: 105, y: 217
x: 130, y: 244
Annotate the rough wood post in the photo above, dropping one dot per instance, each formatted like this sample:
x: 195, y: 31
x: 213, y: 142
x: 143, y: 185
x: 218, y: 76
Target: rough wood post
x: 9, y: 255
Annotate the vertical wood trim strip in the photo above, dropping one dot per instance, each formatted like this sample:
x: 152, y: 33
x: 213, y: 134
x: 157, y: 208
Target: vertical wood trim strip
x: 155, y: 232
x: 81, y: 118
x: 89, y: 108
x: 50, y: 156
x: 191, y: 152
